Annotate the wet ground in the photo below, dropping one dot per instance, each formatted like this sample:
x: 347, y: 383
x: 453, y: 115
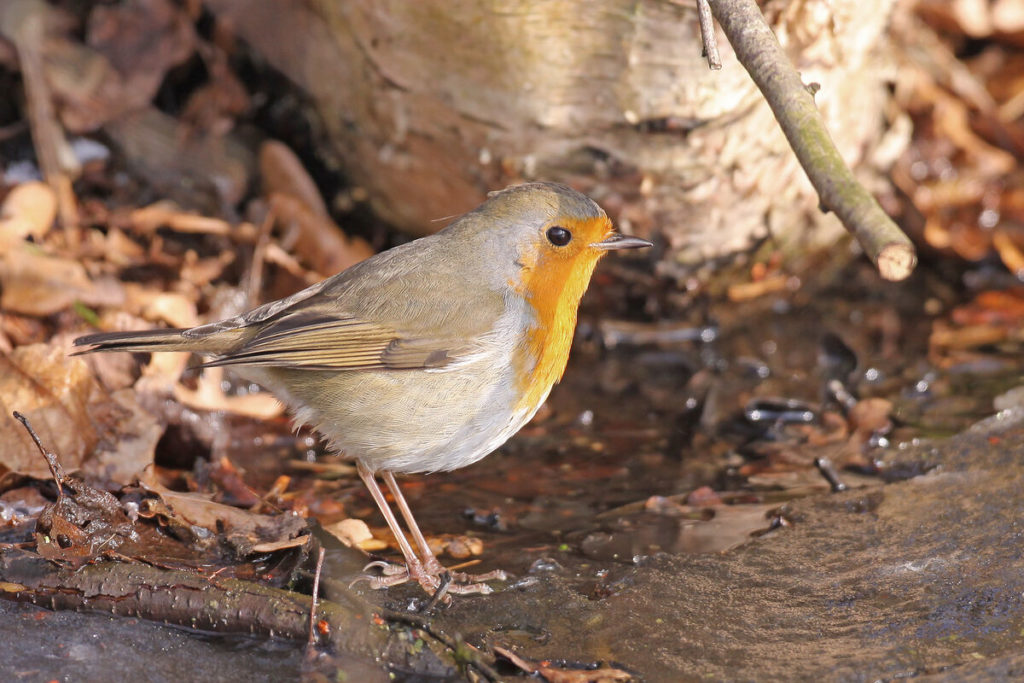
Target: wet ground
x: 665, y: 517
x: 902, y: 580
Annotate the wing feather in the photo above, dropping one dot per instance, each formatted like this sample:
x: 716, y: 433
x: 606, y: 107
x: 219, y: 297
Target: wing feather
x: 339, y: 342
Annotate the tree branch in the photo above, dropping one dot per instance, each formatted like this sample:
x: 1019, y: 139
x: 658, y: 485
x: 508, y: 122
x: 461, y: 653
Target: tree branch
x: 792, y: 102
x: 184, y: 598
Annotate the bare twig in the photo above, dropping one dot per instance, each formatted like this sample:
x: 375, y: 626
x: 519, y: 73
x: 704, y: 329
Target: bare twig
x: 469, y: 655
x: 439, y: 595
x: 828, y: 471
x: 793, y: 105
x: 254, y: 283
x: 316, y: 597
x: 56, y: 470
x: 707, y: 35
x: 24, y: 22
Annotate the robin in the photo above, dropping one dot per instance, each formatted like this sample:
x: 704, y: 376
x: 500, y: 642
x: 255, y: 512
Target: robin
x: 425, y: 357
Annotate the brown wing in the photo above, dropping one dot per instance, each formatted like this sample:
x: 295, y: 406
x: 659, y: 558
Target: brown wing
x: 316, y: 341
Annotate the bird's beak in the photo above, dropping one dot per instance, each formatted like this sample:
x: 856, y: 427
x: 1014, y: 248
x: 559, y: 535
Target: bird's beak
x: 619, y: 241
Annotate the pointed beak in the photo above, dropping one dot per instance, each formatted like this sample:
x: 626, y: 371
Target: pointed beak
x: 620, y: 241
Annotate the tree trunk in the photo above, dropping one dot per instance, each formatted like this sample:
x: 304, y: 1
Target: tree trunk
x: 432, y: 103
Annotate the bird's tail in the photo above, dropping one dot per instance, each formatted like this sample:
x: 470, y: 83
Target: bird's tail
x: 141, y: 341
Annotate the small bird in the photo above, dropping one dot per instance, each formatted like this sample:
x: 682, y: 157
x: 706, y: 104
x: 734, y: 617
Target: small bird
x: 425, y: 357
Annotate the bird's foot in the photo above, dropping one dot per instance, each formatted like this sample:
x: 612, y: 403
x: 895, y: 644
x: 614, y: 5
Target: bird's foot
x: 431, y: 577
x: 432, y: 566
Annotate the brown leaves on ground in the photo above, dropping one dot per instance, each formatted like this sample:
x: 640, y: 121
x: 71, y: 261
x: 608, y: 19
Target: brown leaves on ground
x: 28, y: 211
x: 204, y: 523
x: 136, y: 267
x: 298, y: 208
x: 989, y: 328
x: 82, y: 525
x: 37, y: 284
x: 85, y: 524
x: 112, y: 258
x: 107, y: 434
x: 963, y: 171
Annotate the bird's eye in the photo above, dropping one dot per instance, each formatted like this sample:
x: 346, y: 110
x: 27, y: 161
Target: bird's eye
x: 559, y: 236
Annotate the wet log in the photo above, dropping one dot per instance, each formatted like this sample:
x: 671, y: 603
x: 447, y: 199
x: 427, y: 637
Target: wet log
x: 186, y: 598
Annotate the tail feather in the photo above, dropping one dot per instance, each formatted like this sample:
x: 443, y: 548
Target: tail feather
x: 139, y: 341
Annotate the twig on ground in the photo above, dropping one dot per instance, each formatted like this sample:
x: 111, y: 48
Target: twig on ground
x: 25, y: 23
x: 56, y: 470
x: 439, y: 594
x: 182, y: 597
x: 316, y: 596
x: 462, y: 650
x: 828, y: 471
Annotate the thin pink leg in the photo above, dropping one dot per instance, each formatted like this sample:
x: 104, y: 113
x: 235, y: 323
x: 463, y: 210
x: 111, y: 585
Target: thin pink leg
x: 412, y: 562
x: 430, y: 561
x: 465, y: 583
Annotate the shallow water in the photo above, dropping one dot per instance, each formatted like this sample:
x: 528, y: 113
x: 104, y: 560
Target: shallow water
x: 665, y: 513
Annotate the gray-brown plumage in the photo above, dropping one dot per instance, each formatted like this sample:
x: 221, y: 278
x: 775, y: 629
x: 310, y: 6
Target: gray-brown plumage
x: 427, y: 356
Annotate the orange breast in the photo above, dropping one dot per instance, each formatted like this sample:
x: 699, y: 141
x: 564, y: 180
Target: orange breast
x: 553, y: 286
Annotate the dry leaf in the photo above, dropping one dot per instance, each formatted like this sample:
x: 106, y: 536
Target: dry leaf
x: 243, y: 530
x: 123, y: 453
x: 355, y: 534
x: 163, y: 149
x: 167, y: 214
x: 175, y: 309
x: 210, y: 396
x: 28, y: 211
x: 456, y: 545
x: 36, y: 284
x: 282, y: 173
x: 57, y: 394
x: 317, y: 239
x: 554, y: 674
x: 108, y: 436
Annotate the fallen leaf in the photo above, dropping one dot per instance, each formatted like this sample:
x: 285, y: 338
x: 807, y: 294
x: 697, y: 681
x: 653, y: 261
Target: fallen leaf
x: 317, y: 239
x: 56, y: 393
x: 209, y: 395
x: 743, y: 291
x: 40, y: 285
x: 107, y: 435
x: 127, y: 449
x: 870, y: 415
x: 274, y: 546
x: 28, y: 211
x: 281, y: 172
x: 457, y: 546
x: 355, y: 534
x: 969, y: 337
x: 164, y: 149
x: 241, y: 530
x: 172, y: 308
x: 553, y: 674
x: 167, y: 214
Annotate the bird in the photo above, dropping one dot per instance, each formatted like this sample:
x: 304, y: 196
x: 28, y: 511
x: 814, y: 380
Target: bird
x: 425, y: 357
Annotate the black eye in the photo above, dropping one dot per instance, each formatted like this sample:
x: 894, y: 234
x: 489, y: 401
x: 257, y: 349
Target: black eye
x: 559, y: 236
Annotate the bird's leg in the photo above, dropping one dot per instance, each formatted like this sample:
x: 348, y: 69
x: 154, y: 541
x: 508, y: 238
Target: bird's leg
x: 466, y: 583
x: 414, y: 568
x: 430, y: 561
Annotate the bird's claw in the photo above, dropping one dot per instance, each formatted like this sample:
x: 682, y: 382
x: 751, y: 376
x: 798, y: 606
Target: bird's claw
x: 387, y: 568
x: 429, y: 577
